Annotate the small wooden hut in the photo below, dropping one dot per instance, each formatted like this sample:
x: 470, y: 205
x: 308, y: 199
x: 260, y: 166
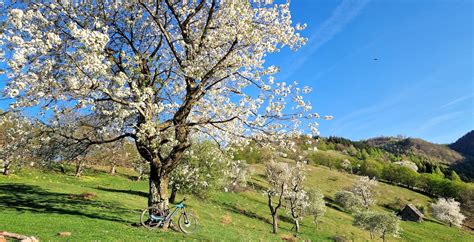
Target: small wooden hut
x: 411, y: 213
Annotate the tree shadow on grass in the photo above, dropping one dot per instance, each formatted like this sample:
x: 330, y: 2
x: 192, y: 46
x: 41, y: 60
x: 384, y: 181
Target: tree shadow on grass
x: 29, y: 198
x: 255, y: 186
x: 235, y: 209
x: 131, y: 192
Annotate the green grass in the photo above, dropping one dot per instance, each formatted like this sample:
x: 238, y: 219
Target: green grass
x: 43, y: 203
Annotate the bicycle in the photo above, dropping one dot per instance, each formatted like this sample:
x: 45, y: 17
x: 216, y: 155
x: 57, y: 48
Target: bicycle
x: 153, y: 217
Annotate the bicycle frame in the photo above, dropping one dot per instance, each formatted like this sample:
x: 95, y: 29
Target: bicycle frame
x: 167, y: 218
x: 170, y: 216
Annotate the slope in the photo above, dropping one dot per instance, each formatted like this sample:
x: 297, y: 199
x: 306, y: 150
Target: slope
x: 45, y: 203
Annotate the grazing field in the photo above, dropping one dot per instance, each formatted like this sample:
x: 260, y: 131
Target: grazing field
x: 103, y: 207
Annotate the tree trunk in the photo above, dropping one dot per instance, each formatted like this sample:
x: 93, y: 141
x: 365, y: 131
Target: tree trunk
x: 297, y: 225
x: 6, y: 168
x: 275, y: 223
x: 174, y: 190
x: 79, y: 165
x: 61, y: 168
x: 158, y: 195
x: 113, y: 169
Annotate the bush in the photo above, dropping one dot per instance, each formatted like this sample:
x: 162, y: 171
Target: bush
x: 348, y: 201
x: 378, y: 223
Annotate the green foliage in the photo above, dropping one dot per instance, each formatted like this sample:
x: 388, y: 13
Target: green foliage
x: 330, y: 158
x: 379, y: 223
x: 203, y: 170
x: 437, y: 186
x: 398, y: 174
x: 454, y: 176
x: 438, y: 172
x: 252, y: 154
x: 348, y: 201
x: 317, y: 206
x: 371, y: 168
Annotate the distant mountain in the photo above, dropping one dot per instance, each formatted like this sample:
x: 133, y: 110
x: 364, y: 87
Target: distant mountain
x: 428, y: 156
x: 465, y: 144
x: 458, y: 155
x: 418, y: 147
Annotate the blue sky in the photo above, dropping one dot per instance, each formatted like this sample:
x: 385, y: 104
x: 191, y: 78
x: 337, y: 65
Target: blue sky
x: 422, y: 83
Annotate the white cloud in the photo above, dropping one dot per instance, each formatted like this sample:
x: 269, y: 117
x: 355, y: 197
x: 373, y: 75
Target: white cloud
x: 457, y: 100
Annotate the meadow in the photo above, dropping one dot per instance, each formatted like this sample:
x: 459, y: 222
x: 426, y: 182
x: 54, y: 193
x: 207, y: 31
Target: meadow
x: 102, y: 207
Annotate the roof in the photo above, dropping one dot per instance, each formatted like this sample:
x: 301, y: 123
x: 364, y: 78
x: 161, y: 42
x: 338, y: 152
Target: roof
x: 414, y: 209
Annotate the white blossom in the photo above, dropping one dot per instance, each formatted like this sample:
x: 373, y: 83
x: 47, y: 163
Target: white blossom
x: 364, y: 188
x: 449, y: 211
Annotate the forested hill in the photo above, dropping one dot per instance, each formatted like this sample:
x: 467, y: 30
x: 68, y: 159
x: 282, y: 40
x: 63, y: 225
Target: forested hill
x: 458, y: 156
x: 465, y: 144
x: 376, y: 153
x: 418, y: 147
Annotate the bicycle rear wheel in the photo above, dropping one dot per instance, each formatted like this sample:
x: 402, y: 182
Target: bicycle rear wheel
x: 152, y: 217
x: 188, y: 223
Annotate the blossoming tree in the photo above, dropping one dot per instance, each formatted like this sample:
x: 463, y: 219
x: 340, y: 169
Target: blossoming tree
x: 378, y: 223
x: 16, y: 140
x: 449, y: 211
x: 296, y: 197
x: 364, y: 189
x: 317, y: 205
x: 158, y: 72
x: 278, y: 175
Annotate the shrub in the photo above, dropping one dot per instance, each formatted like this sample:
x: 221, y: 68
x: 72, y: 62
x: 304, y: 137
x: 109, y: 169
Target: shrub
x: 378, y: 223
x: 348, y: 201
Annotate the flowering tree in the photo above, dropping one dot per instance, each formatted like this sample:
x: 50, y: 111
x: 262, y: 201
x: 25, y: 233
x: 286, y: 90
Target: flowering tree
x: 407, y: 163
x: 348, y: 201
x: 237, y: 174
x: 158, y: 72
x: 16, y: 136
x: 277, y: 174
x: 140, y: 166
x: 449, y: 211
x: 364, y: 189
x: 316, y: 205
x: 203, y: 169
x: 346, y: 165
x: 296, y: 197
x: 378, y: 223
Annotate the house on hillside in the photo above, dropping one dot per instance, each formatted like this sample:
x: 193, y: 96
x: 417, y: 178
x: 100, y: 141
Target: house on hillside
x: 411, y: 213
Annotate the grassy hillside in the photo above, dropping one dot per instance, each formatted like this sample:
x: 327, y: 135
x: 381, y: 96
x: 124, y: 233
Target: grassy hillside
x: 43, y: 204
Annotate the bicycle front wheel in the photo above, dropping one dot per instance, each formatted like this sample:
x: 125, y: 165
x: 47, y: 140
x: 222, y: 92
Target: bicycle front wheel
x: 188, y: 223
x: 151, y: 217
